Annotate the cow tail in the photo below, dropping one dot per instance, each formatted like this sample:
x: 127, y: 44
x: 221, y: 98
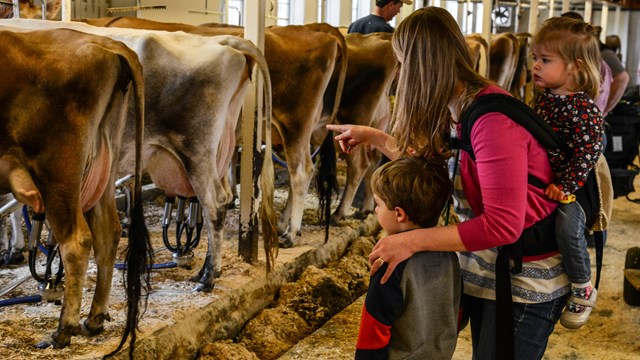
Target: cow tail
x: 326, y: 181
x: 267, y: 211
x: 139, y: 255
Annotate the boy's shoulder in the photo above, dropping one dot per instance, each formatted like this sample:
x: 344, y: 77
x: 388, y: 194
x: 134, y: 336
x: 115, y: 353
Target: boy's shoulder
x: 434, y: 258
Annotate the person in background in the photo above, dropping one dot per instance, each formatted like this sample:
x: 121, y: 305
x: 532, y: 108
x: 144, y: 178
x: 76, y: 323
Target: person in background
x: 437, y: 83
x: 611, y: 95
x: 378, y: 21
x: 414, y: 314
x: 566, y: 63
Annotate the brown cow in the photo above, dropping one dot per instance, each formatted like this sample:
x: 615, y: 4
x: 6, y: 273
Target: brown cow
x: 29, y: 10
x: 479, y: 52
x: 522, y: 73
x: 365, y: 100
x: 503, y: 54
x: 11, y: 249
x: 303, y: 62
x: 195, y: 88
x: 64, y: 100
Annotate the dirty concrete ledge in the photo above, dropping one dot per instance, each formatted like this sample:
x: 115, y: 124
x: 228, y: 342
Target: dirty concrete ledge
x: 225, y: 316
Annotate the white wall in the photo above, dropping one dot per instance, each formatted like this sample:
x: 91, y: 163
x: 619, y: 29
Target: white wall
x: 178, y: 11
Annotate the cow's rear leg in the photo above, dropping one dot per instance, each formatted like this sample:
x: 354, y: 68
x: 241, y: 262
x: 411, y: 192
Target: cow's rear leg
x: 368, y: 204
x: 106, y: 229
x: 300, y: 174
x: 75, y: 244
x: 357, y: 165
x: 212, y: 267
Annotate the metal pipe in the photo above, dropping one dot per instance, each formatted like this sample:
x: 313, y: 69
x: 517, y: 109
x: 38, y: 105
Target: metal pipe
x: 9, y: 207
x: 36, y: 230
x: 44, y: 9
x: 16, y: 9
x: 194, y: 206
x: 123, y: 180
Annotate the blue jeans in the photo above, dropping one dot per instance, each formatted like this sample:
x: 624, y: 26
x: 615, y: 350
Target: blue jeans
x: 572, y: 242
x: 533, y: 324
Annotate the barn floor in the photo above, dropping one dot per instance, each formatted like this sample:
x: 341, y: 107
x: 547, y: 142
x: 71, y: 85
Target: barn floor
x: 613, y: 330
x: 178, y: 322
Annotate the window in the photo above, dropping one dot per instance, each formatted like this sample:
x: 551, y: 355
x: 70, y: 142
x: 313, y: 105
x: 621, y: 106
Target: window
x: 284, y: 12
x: 236, y: 7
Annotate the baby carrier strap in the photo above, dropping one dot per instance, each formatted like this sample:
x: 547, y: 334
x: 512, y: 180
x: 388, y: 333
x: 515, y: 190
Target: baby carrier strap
x: 538, y: 239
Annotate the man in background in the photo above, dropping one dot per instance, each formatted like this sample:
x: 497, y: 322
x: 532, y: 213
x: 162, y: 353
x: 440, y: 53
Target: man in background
x: 378, y: 21
x: 620, y: 78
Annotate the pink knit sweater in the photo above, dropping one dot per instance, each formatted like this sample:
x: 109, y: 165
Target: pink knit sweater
x: 496, y: 184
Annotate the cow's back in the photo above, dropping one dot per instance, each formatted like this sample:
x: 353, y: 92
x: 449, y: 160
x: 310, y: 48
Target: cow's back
x: 503, y: 53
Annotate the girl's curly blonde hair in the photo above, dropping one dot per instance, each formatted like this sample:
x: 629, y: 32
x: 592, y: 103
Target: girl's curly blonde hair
x: 576, y: 43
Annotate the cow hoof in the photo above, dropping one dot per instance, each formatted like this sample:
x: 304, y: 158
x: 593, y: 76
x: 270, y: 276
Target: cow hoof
x: 285, y: 242
x: 89, y: 330
x: 232, y: 204
x: 15, y: 257
x: 3, y: 255
x: 44, y: 344
x: 94, y: 326
x: 361, y: 215
x: 335, y: 220
x: 207, y: 288
x: 62, y: 342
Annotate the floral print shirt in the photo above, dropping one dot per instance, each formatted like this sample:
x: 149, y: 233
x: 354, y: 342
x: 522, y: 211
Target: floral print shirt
x: 578, y: 122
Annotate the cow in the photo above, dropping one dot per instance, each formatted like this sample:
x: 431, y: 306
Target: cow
x: 195, y: 87
x: 307, y: 64
x: 503, y: 54
x: 29, y: 10
x: 371, y: 72
x: 522, y: 73
x: 63, y: 106
x: 479, y: 49
x: 508, y: 60
x: 11, y: 249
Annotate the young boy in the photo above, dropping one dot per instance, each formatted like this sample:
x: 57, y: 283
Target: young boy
x: 415, y: 313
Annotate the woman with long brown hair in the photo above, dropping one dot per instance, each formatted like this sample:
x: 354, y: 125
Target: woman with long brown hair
x: 437, y: 82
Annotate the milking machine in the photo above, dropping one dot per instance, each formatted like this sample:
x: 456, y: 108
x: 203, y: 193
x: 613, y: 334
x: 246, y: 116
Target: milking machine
x: 182, y: 252
x: 124, y: 186
x: 189, y: 222
x: 50, y: 284
x: 51, y: 278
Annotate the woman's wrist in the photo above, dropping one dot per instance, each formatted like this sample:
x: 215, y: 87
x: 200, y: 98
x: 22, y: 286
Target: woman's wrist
x: 381, y: 142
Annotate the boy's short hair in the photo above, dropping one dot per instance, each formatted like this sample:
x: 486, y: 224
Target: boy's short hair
x: 572, y: 15
x: 420, y: 186
x: 383, y: 3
